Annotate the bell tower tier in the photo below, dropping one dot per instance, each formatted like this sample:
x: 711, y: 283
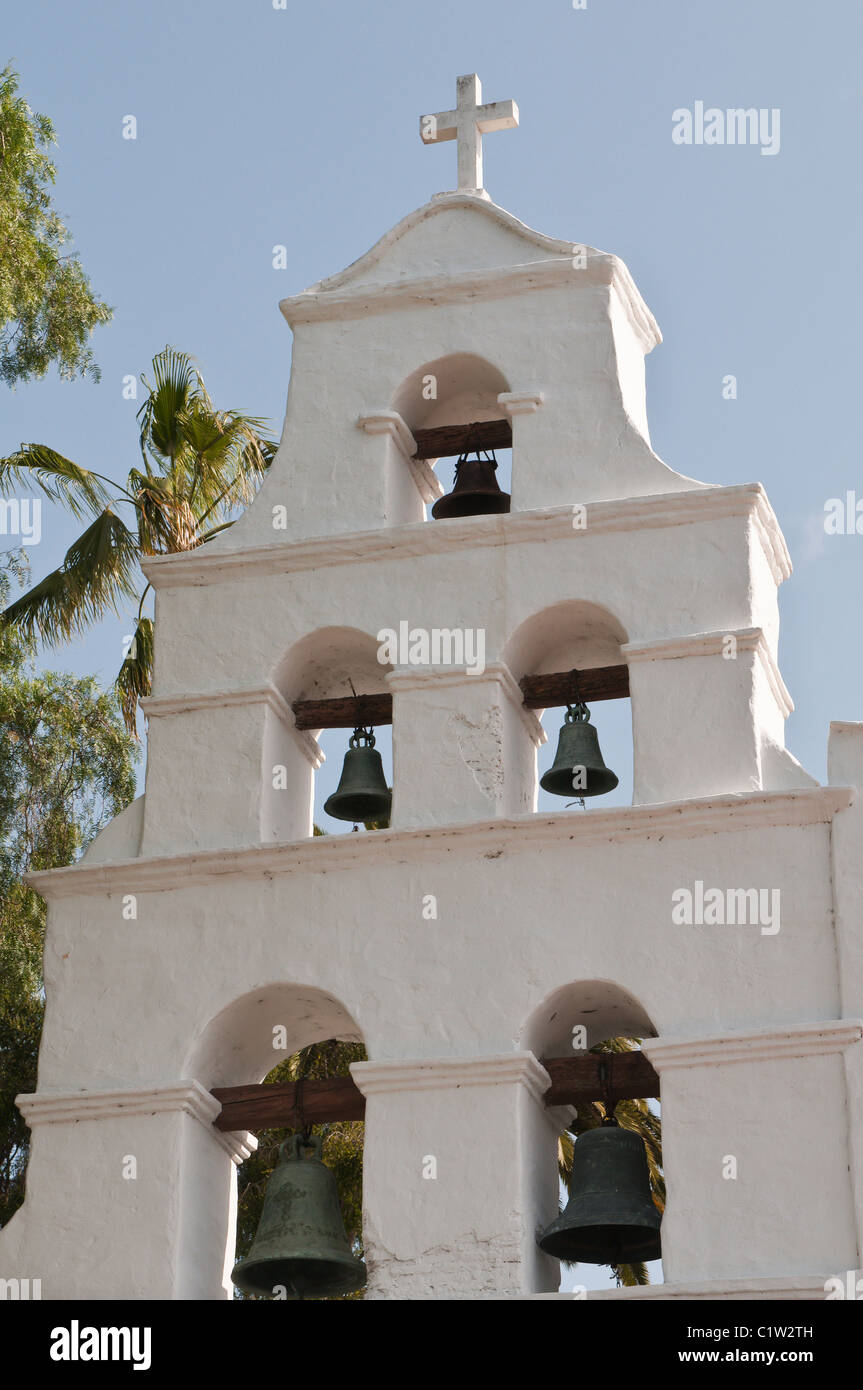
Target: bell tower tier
x: 474, y: 944
x: 460, y: 313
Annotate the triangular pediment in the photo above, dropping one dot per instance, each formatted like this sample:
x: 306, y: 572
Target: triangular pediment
x: 454, y: 234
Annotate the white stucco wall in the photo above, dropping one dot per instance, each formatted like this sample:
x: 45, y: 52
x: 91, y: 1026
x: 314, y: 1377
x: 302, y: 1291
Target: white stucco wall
x: 242, y: 922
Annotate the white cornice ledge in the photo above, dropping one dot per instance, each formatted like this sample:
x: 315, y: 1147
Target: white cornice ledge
x: 451, y: 1073
x: 657, y: 510
x: 759, y: 1045
x: 782, y: 1289
x: 205, y: 699
x: 58, y: 1107
x: 188, y: 702
x: 500, y: 282
x: 186, y: 1097
x: 520, y: 402
x: 748, y: 639
x: 389, y: 422
x: 732, y: 813
x: 238, y: 1145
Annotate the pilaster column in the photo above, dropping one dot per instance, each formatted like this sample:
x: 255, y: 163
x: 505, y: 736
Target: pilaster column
x: 408, y: 482
x: 459, y: 1174
x: 131, y: 1194
x: 463, y: 745
x: 528, y: 446
x: 701, y: 706
x: 755, y: 1150
x: 212, y: 779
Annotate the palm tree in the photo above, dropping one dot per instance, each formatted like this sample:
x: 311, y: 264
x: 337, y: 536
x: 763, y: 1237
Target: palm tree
x: 199, y: 465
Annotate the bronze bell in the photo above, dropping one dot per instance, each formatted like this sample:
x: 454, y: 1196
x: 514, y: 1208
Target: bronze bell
x: 300, y: 1245
x: 578, y: 768
x: 475, y: 490
x: 362, y: 793
x: 610, y: 1219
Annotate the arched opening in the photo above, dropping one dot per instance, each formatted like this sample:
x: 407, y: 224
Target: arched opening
x: 236, y: 1046
x: 331, y: 664
x: 601, y: 1024
x: 458, y: 389
x: 314, y: 1038
x: 579, y: 636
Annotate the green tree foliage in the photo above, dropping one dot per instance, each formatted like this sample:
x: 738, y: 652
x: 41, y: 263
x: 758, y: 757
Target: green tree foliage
x: 65, y: 770
x: 47, y: 307
x: 200, y: 465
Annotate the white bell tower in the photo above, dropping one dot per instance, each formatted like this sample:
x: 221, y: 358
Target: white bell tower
x: 544, y: 921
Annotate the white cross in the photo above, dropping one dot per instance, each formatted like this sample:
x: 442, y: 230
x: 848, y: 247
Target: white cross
x: 467, y: 124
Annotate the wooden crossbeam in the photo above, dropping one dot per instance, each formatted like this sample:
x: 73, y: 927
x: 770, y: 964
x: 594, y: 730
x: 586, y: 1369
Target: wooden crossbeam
x: 275, y: 1106
x: 447, y: 440
x: 344, y: 713
x: 540, y: 692
x: 597, y: 683
x: 577, y: 1080
x: 574, y: 1081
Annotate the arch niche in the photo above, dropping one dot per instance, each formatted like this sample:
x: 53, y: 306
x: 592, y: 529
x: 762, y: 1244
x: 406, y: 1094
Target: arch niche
x: 322, y: 665
x: 575, y: 1018
x: 460, y: 388
x: 235, y: 1048
x: 575, y: 634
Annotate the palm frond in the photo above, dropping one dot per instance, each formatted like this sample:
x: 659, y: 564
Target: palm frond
x: 215, y: 531
x: 228, y: 457
x: 215, y: 459
x: 565, y: 1153
x: 135, y: 678
x: 166, y: 522
x: 59, y: 478
x: 161, y: 434
x: 98, y: 570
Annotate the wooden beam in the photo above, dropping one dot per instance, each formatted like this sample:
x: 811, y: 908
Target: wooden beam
x: 344, y: 713
x: 447, y: 440
x: 540, y: 692
x: 577, y: 1080
x: 275, y: 1106
x: 574, y: 1081
x: 597, y: 683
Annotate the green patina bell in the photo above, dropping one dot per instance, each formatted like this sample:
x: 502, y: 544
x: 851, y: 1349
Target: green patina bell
x: 300, y: 1248
x: 362, y: 793
x: 578, y: 768
x: 610, y: 1218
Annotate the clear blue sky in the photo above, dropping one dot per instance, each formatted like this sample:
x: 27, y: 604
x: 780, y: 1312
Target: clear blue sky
x: 259, y: 126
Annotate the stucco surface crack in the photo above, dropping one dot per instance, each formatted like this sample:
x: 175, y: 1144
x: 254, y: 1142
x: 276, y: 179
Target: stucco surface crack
x: 479, y: 745
x: 469, y: 1263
